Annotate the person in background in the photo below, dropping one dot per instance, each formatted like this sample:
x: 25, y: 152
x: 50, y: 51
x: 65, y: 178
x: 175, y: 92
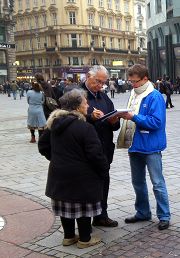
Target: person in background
x: 14, y: 88
x: 48, y: 92
x: 36, y: 117
x: 100, y: 104
x: 143, y: 133
x: 77, y: 168
x: 112, y: 87
x: 168, y: 91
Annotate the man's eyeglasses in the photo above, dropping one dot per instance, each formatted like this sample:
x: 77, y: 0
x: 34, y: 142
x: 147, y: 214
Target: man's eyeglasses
x: 133, y: 82
x: 100, y: 82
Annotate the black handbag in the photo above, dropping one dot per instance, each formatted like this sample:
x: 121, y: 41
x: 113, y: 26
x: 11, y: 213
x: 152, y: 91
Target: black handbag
x: 51, y: 103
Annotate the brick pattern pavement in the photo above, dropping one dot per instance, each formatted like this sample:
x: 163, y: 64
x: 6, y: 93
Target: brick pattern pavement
x: 24, y: 171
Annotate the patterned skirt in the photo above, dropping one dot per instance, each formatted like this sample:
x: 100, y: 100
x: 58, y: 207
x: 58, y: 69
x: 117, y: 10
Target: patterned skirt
x: 75, y: 210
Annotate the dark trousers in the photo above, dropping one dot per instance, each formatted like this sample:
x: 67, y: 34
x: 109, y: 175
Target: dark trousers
x: 105, y: 198
x: 168, y: 101
x: 84, y: 228
x: 112, y: 93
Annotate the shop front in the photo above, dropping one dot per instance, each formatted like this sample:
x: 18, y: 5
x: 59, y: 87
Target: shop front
x: 177, y: 61
x: 77, y: 73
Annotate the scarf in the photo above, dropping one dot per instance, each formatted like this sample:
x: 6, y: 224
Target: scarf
x: 127, y: 130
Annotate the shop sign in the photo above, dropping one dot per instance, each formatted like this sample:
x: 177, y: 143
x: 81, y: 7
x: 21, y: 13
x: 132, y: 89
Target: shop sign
x: 6, y: 46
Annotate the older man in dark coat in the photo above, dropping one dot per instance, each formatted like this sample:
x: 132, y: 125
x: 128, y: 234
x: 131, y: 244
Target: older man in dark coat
x: 100, y: 104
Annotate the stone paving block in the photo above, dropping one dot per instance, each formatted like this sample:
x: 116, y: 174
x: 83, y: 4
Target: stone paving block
x: 53, y: 240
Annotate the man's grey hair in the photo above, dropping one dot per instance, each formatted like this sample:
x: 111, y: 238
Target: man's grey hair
x: 98, y: 68
x: 71, y: 100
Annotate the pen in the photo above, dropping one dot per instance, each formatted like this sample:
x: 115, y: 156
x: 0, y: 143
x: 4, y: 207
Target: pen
x: 95, y: 109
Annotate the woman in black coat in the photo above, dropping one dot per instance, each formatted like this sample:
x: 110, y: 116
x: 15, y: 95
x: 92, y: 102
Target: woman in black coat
x: 77, y: 168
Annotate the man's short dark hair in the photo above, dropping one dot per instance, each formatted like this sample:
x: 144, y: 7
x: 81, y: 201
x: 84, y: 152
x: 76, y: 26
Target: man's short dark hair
x: 139, y: 70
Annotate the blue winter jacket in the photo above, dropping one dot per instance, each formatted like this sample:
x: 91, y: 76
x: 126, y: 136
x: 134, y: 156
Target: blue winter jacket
x: 150, y: 135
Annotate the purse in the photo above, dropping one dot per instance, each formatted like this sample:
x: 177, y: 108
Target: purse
x: 51, y: 103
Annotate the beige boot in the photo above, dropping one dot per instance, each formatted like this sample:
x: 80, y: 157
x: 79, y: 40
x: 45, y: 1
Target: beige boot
x: 91, y: 242
x: 70, y: 241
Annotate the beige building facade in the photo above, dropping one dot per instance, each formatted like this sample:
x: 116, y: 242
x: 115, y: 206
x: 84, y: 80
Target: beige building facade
x: 63, y: 38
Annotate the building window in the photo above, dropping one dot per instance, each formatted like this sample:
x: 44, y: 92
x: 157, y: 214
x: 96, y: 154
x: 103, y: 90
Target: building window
x: 90, y: 18
x: 126, y: 7
x: 35, y: 3
x: 73, y: 60
x: 103, y: 43
x: 169, y: 3
x: 54, y: 18
x: 28, y: 4
x: 119, y: 43
x: 36, y: 21
x: 71, y: 1
x: 162, y: 42
x: 43, y: 2
x: 53, y: 1
x: 2, y: 34
x: 74, y: 40
x: 90, y: 2
x: 101, y: 3
x: 140, y: 25
x: 177, y: 29
x: 139, y: 9
x: 127, y: 25
x: 72, y: 17
x: 117, y: 5
x: 19, y: 5
x: 80, y: 40
x: 109, y: 4
x: 29, y: 23
x: 111, y: 43
x: 101, y: 21
x: 118, y: 21
x: 21, y: 24
x: 38, y: 42
x: 94, y: 61
x: 149, y: 10
x: 40, y: 61
x: 2, y: 57
x: 44, y: 18
x: 110, y: 23
x: 158, y: 6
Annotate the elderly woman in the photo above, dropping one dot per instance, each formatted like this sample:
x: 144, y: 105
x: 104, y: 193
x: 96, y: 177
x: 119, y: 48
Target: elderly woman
x: 36, y: 117
x: 77, y: 168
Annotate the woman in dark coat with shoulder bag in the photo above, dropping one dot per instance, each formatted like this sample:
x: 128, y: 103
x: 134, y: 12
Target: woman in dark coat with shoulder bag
x: 77, y: 168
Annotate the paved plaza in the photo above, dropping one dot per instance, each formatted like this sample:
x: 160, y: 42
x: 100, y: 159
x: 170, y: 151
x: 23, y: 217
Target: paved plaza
x: 30, y: 229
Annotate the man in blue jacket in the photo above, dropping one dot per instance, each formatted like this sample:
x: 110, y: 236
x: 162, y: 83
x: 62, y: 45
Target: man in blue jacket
x: 143, y: 132
x: 99, y: 105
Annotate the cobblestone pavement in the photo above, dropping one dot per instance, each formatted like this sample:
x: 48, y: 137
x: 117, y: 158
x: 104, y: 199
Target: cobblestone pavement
x: 23, y: 178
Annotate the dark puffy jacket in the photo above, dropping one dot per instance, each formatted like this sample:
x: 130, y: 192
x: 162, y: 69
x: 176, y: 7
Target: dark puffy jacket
x: 77, y: 163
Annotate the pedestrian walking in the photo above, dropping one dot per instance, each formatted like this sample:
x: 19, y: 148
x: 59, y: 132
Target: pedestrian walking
x: 14, y: 88
x: 100, y: 104
x: 168, y: 91
x: 36, y: 117
x: 48, y: 92
x: 112, y: 87
x: 143, y: 132
x: 77, y: 168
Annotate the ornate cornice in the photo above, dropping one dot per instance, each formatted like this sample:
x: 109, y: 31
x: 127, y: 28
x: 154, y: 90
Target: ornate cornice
x: 91, y: 9
x: 71, y: 7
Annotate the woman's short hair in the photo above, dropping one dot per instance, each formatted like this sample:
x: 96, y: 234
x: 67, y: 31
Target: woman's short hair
x: 39, y: 77
x: 71, y: 100
x: 140, y: 70
x: 36, y: 86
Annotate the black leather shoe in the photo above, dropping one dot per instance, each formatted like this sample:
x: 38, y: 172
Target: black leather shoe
x: 163, y: 224
x: 134, y: 219
x: 105, y: 222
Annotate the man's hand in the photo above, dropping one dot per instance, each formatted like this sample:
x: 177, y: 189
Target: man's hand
x: 126, y: 115
x: 96, y: 114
